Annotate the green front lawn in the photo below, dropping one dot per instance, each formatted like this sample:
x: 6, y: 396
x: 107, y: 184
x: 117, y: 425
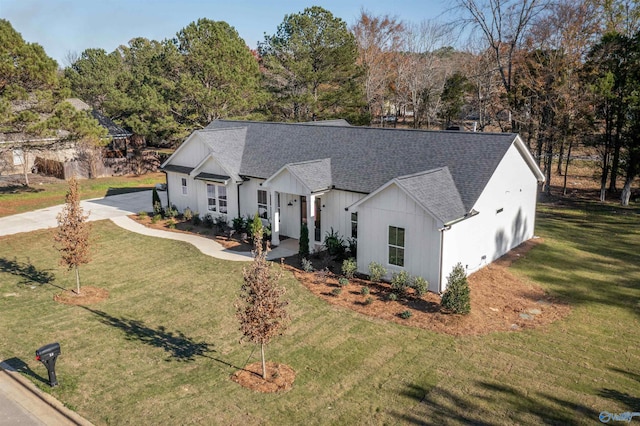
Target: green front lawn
x: 18, y: 199
x: 161, y: 349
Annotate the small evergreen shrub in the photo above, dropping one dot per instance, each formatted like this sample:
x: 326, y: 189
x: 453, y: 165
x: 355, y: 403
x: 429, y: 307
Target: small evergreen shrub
x: 376, y: 272
x: 306, y: 265
x: 171, y: 212
x: 336, y: 291
x: 196, y: 220
x: 303, y: 243
x: 155, y: 202
x: 392, y: 297
x: 419, y: 285
x: 187, y: 214
x: 368, y: 300
x: 142, y: 214
x: 208, y: 221
x: 157, y: 209
x: 364, y: 290
x: 400, y: 282
x: 171, y: 224
x: 221, y: 223
x: 343, y: 282
x: 239, y: 224
x: 349, y: 267
x: 456, y: 298
x: 406, y: 314
x: 156, y: 218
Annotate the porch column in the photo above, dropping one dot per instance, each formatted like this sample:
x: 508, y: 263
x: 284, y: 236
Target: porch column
x: 311, y: 221
x: 275, y: 223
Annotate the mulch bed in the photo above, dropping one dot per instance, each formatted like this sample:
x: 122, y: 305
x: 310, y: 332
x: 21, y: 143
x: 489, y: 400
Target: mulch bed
x: 88, y: 296
x: 280, y: 377
x: 500, y: 301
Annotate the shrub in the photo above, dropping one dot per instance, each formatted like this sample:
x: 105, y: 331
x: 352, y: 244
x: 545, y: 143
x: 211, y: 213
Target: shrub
x: 208, y: 220
x: 376, y: 272
x: 156, y: 218
x: 343, y: 282
x: 400, y: 282
x: 368, y: 300
x: 419, y: 285
x: 221, y: 223
x: 336, y: 291
x: 306, y: 265
x: 353, y: 247
x: 303, y: 243
x: 171, y: 212
x: 196, y: 219
x: 392, y: 297
x: 239, y: 224
x: 456, y: 298
x: 349, y: 267
x: 171, y: 224
x: 364, y: 290
x: 156, y: 203
x: 335, y: 244
x: 406, y: 314
x: 321, y: 276
x: 187, y: 214
x: 142, y: 214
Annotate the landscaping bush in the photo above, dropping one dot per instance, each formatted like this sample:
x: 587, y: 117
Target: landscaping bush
x: 353, y: 247
x: 400, y: 282
x: 156, y: 203
x: 419, y: 285
x: 406, y: 314
x: 187, y: 214
x: 306, y: 265
x: 335, y: 244
x: 196, y: 220
x: 156, y: 218
x: 336, y: 291
x: 303, y: 243
x: 240, y: 225
x: 321, y: 276
x: 392, y: 297
x: 171, y: 212
x: 364, y: 290
x: 349, y: 267
x: 343, y: 282
x: 221, y: 223
x: 368, y: 300
x: 208, y: 220
x: 142, y: 214
x: 171, y: 224
x: 456, y: 298
x: 376, y: 272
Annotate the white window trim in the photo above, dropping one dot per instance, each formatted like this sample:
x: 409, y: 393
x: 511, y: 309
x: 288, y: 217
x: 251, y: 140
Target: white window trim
x: 264, y: 205
x: 185, y: 186
x: 390, y: 246
x: 217, y: 199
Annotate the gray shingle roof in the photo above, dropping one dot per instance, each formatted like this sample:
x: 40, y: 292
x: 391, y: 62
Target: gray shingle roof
x: 316, y: 174
x: 365, y: 158
x: 436, y: 192
x: 178, y: 169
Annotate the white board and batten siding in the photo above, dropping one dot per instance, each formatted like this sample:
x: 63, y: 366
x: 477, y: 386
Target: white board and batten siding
x: 505, y: 219
x: 393, y: 207
x: 334, y: 214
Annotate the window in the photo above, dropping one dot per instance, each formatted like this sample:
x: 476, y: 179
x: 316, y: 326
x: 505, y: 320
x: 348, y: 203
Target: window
x: 354, y: 225
x: 396, y: 246
x: 262, y: 203
x: 18, y: 154
x: 222, y: 199
x: 211, y: 197
x: 184, y: 186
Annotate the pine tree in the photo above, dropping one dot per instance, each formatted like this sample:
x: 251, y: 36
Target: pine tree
x: 72, y: 236
x: 456, y: 298
x: 261, y: 310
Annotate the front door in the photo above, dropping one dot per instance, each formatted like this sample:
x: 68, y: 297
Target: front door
x: 317, y: 222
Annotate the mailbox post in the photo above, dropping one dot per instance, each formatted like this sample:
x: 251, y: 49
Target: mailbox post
x: 48, y: 355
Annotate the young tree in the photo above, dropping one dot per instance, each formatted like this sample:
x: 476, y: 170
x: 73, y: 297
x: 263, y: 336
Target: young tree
x: 260, y: 309
x: 72, y: 236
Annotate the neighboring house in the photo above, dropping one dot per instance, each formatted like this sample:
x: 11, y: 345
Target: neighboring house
x: 416, y: 200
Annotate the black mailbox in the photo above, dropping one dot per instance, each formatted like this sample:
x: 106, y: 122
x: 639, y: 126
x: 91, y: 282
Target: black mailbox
x: 48, y: 355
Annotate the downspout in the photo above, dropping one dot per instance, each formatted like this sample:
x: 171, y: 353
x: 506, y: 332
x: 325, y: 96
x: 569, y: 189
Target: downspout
x: 441, y: 260
x: 166, y: 180
x: 238, y: 195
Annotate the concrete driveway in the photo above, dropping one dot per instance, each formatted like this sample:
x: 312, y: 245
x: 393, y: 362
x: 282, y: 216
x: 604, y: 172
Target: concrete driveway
x: 100, y: 208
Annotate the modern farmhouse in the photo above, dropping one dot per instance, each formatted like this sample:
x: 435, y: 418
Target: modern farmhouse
x: 416, y: 200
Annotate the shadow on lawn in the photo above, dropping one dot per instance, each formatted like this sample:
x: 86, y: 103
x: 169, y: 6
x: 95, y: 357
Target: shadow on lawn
x: 179, y: 346
x: 20, y: 366
x: 26, y: 270
x: 438, y: 406
x: 631, y: 402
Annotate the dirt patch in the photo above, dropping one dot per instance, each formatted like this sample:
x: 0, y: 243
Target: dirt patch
x: 88, y: 296
x: 500, y: 301
x: 280, y: 377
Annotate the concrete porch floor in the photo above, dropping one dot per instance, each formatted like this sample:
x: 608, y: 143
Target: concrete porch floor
x: 287, y: 248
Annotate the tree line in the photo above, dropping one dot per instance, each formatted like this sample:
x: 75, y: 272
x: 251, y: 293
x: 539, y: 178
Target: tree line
x: 562, y: 74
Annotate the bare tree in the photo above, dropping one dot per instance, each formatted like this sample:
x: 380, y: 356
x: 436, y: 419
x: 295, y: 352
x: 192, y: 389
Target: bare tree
x: 504, y: 25
x: 261, y: 310
x: 378, y: 38
x: 72, y: 236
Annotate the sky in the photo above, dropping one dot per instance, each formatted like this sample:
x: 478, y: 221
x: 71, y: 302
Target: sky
x: 65, y: 27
